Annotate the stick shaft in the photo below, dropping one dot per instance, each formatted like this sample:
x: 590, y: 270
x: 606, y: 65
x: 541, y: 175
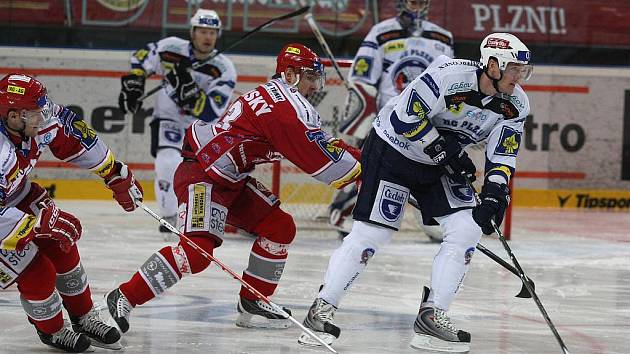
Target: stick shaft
x: 225, y: 268
x: 322, y: 41
x: 234, y: 44
x: 521, y: 273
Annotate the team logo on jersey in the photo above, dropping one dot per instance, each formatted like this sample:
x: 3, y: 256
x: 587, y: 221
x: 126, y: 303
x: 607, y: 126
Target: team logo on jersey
x: 329, y: 148
x: 460, y: 191
x: 219, y: 99
x: 468, y: 255
x: 509, y: 142
x: 416, y: 105
x: 366, y: 255
x: 78, y: 128
x: 140, y: 54
x: 362, y: 66
x: 392, y: 200
x: 405, y: 71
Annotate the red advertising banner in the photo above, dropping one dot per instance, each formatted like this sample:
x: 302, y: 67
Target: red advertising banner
x: 568, y: 22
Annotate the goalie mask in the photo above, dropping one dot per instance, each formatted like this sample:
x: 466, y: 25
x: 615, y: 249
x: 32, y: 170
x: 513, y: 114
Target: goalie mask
x: 27, y: 96
x: 306, y: 64
x: 412, y: 13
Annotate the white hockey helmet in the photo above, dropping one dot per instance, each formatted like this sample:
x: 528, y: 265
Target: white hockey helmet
x: 206, y: 19
x: 505, y: 48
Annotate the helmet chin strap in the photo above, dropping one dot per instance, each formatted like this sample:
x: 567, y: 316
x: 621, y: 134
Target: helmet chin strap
x: 19, y: 131
x: 295, y: 84
x: 495, y: 82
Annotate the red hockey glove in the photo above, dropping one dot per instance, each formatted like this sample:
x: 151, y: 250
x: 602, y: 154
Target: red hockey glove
x: 58, y: 225
x: 125, y: 187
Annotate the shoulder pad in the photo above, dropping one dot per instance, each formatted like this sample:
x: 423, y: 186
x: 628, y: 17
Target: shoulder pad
x: 173, y: 48
x: 434, y: 32
x: 210, y: 70
x: 438, y: 36
x: 391, y: 35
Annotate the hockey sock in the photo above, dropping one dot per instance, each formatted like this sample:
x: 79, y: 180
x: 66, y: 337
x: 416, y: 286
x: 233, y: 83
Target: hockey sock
x: 71, y: 279
x: 349, y: 260
x: 166, y: 162
x: 450, y: 265
x: 165, y: 268
x: 38, y: 296
x: 269, y: 253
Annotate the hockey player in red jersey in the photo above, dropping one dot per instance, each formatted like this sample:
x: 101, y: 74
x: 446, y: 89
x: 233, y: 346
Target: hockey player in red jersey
x: 214, y: 187
x: 37, y: 240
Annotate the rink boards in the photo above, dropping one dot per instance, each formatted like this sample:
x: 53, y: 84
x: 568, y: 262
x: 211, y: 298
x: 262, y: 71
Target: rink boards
x: 571, y: 155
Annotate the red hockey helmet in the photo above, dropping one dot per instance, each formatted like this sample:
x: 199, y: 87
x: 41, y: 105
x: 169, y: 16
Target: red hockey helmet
x: 19, y: 91
x: 301, y: 57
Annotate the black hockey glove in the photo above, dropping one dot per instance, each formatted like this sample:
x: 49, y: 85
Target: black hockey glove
x: 495, y: 198
x: 132, y: 89
x: 448, y: 153
x: 186, y: 90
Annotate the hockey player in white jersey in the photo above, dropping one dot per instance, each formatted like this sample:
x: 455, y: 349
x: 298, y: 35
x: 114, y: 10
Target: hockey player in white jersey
x: 415, y: 149
x: 189, y: 95
x: 393, y: 53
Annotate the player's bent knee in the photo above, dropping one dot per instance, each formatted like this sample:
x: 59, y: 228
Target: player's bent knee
x: 188, y: 259
x: 278, y: 227
x: 460, y: 228
x: 366, y: 235
x: 38, y: 280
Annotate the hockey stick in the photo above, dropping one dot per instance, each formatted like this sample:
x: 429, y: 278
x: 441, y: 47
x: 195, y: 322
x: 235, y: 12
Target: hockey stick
x: 322, y: 41
x: 524, y: 293
x: 200, y: 63
x: 521, y: 273
x: 225, y: 268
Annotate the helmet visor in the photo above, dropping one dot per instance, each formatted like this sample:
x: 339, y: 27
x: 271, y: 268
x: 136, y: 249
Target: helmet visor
x: 522, y: 72
x: 316, y: 77
x: 41, y: 116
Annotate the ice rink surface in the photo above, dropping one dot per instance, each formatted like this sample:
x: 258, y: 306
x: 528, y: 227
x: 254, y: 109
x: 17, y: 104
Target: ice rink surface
x: 579, y: 261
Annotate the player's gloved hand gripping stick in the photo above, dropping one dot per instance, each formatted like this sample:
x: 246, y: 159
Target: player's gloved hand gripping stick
x: 200, y: 63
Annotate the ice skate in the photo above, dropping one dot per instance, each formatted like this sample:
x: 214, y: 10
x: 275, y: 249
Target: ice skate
x: 434, y: 330
x: 101, y: 334
x: 258, y: 314
x: 319, y: 320
x: 66, y: 340
x: 119, y: 308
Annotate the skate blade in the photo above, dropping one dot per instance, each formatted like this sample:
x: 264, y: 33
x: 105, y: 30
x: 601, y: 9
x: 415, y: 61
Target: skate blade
x: 426, y: 342
x: 255, y: 321
x: 306, y: 340
x: 113, y: 346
